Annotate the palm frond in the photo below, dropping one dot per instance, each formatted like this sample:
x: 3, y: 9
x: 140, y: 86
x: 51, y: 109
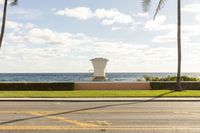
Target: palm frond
x: 159, y: 7
x: 146, y: 5
x: 14, y: 3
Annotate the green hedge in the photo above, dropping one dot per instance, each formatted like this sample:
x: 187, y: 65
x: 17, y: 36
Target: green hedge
x: 170, y: 78
x: 163, y: 85
x: 155, y: 85
x: 36, y: 86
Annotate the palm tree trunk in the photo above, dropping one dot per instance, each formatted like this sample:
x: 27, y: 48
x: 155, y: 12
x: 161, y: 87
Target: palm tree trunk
x: 3, y: 22
x: 179, y: 44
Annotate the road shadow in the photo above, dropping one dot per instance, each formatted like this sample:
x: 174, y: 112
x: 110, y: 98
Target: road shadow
x: 85, y: 109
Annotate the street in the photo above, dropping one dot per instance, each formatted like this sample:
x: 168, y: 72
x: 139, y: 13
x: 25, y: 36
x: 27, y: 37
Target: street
x: 84, y: 117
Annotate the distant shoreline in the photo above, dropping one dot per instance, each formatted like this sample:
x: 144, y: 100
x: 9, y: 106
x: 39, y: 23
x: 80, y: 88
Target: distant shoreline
x: 79, y: 77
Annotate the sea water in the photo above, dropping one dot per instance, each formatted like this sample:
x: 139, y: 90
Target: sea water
x: 80, y: 77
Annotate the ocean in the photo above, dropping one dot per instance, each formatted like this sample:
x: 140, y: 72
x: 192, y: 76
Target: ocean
x: 79, y: 77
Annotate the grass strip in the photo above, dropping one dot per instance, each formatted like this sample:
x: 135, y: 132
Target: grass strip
x: 95, y: 94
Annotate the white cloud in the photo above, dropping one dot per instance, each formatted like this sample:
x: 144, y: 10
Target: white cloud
x: 82, y: 13
x: 22, y: 13
x: 142, y: 14
x: 192, y: 8
x: 169, y: 38
x: 188, y: 31
x: 47, y: 37
x: 46, y: 50
x: 41, y: 45
x: 41, y: 48
x: 159, y: 24
x: 18, y: 26
x: 108, y: 17
x: 69, y: 51
x: 115, y: 28
x: 167, y: 32
x: 1, y: 2
x: 191, y: 30
x: 198, y: 18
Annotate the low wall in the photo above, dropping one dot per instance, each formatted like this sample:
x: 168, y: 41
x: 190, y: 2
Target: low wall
x: 61, y: 86
x: 112, y: 86
x: 9, y: 86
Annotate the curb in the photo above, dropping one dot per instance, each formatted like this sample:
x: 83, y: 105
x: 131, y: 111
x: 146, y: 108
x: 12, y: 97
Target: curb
x: 99, y: 99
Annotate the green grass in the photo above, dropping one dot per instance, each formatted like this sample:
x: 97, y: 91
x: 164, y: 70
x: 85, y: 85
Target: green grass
x: 102, y: 93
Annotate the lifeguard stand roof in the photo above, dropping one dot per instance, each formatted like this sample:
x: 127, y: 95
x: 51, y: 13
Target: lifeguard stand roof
x: 99, y: 59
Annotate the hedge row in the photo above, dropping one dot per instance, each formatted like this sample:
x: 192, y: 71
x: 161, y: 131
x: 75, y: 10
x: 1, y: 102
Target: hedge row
x: 170, y: 78
x: 36, y: 86
x: 172, y: 85
x: 162, y: 85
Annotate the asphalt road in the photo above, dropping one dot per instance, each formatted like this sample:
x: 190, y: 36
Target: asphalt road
x: 86, y: 117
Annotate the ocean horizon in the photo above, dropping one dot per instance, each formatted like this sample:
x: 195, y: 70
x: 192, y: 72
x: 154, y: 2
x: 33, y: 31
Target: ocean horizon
x: 81, y: 77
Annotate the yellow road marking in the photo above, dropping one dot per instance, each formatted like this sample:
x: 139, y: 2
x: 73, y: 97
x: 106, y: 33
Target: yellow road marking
x: 93, y: 128
x: 75, y: 122
x: 105, y: 123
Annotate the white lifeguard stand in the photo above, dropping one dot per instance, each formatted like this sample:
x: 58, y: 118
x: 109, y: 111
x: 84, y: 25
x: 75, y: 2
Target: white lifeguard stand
x: 99, y: 65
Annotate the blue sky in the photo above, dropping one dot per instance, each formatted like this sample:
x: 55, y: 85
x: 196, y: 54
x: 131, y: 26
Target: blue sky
x: 62, y: 36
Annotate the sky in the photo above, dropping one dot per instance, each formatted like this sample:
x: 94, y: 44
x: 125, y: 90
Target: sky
x: 63, y: 35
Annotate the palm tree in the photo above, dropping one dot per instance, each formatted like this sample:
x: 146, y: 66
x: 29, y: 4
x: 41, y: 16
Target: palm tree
x: 146, y: 5
x: 14, y: 2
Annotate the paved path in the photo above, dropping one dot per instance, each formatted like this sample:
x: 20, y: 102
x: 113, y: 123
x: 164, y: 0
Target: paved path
x: 111, y: 117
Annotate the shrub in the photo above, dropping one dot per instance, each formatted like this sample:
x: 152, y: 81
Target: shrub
x: 59, y: 86
x: 171, y: 85
x: 170, y: 78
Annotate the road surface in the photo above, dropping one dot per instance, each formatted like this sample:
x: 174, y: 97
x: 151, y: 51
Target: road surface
x: 100, y: 117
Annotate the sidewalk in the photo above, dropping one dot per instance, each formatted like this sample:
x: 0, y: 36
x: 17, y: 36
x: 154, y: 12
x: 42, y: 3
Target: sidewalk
x: 182, y: 99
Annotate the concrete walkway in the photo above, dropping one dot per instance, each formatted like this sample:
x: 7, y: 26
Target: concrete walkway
x: 153, y: 99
